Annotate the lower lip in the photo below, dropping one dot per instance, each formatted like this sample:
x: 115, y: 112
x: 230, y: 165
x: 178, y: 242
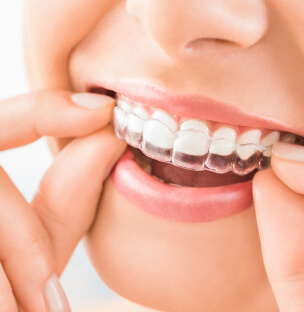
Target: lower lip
x: 179, y: 204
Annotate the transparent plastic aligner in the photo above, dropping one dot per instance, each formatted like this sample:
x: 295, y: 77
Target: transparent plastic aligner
x: 181, y: 148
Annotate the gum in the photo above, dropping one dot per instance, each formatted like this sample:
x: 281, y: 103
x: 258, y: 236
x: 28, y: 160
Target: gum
x: 135, y: 131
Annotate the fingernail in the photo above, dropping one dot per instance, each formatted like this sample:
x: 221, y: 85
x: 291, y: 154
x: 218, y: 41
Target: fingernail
x: 91, y: 100
x: 55, y: 296
x: 288, y: 151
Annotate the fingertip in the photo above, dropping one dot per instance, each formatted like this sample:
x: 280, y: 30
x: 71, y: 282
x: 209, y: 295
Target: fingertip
x: 65, y: 114
x: 290, y: 172
x: 288, y: 151
x: 55, y: 296
x: 261, y: 181
x: 280, y: 218
x: 109, y: 132
x: 92, y: 100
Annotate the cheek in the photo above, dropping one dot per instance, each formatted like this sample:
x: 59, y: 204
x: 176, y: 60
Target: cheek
x: 292, y: 14
x: 155, y: 262
x: 52, y: 30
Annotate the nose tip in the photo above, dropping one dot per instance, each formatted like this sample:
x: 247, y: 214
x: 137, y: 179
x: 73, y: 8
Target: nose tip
x: 219, y: 26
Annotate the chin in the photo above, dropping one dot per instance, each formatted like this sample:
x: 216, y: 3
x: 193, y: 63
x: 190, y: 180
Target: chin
x: 176, y: 266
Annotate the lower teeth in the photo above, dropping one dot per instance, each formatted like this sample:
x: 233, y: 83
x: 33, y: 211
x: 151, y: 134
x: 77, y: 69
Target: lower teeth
x: 178, y: 177
x: 177, y: 185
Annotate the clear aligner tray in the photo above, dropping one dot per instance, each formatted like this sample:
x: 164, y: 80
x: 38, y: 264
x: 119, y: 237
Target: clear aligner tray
x: 156, y: 140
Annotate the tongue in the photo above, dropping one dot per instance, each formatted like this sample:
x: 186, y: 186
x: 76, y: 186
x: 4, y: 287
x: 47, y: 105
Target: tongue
x: 172, y: 174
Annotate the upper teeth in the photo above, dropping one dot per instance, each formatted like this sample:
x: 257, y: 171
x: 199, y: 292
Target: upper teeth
x: 187, y: 139
x: 158, y: 134
x: 166, y: 119
x: 251, y: 136
x: 161, y: 136
x: 194, y: 124
x: 270, y: 139
x: 225, y: 145
x: 187, y: 143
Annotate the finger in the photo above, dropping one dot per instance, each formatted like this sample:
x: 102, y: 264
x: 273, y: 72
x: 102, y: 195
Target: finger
x: 25, y: 252
x: 7, y: 300
x: 288, y: 165
x: 56, y: 145
x: 280, y: 219
x: 69, y: 192
x: 61, y: 114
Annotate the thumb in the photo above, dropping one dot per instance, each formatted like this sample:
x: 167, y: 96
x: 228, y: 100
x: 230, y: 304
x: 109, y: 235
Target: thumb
x: 70, y: 190
x: 279, y: 204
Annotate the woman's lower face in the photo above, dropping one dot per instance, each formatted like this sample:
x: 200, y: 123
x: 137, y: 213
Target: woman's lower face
x: 250, y: 58
x: 172, y: 266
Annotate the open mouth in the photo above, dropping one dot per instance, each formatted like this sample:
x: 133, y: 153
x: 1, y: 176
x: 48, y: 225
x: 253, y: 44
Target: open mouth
x: 210, y: 162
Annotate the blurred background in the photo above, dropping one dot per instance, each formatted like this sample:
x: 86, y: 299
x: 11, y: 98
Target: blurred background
x: 26, y: 165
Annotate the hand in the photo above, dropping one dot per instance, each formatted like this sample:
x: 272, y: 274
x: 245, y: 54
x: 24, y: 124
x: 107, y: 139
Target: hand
x: 279, y: 203
x: 37, y: 239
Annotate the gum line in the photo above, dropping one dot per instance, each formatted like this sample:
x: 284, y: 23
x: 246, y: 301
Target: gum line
x: 210, y: 161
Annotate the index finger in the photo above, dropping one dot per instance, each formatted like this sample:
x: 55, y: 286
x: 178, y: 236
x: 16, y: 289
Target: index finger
x: 62, y: 114
x: 280, y: 219
x: 288, y: 164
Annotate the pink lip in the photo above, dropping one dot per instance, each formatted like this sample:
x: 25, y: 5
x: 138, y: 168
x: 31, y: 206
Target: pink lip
x: 189, y: 204
x: 193, y: 106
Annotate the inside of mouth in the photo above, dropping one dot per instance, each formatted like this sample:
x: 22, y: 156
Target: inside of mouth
x: 104, y: 91
x: 170, y: 174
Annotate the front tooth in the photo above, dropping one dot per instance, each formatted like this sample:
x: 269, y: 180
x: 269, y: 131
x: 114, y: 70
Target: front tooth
x: 223, y: 142
x: 248, y: 141
x: 195, y: 124
x: 157, y: 140
x: 134, y: 130
x: 270, y: 139
x: 288, y: 138
x: 251, y: 136
x: 124, y: 105
x: 190, y: 149
x: 135, y: 126
x: 120, y: 118
x: 166, y: 119
x: 141, y: 112
x: 191, y: 143
x: 225, y: 133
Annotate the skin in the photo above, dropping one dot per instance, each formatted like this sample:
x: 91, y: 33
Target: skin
x: 251, y: 261
x: 31, y: 234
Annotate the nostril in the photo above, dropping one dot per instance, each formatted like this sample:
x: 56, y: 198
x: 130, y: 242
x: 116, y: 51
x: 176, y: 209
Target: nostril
x: 214, y: 45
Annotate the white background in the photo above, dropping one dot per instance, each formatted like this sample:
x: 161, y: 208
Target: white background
x: 26, y: 165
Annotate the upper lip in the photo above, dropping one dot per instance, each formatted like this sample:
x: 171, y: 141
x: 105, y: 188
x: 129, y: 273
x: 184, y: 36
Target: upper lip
x: 193, y: 105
